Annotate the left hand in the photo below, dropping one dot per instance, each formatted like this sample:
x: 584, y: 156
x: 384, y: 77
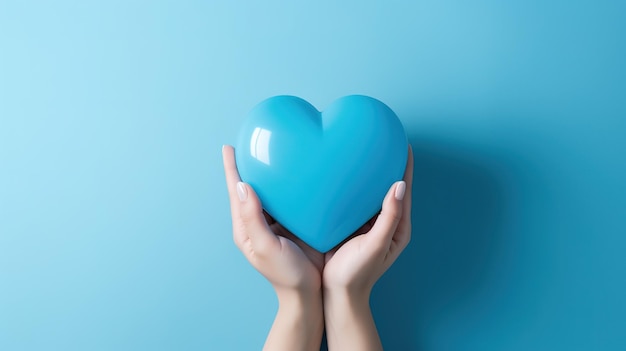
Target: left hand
x: 287, y: 262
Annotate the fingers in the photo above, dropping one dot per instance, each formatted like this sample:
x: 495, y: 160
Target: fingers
x: 405, y: 221
x: 246, y: 210
x: 402, y: 235
x: 388, y: 219
x: 394, y: 221
x: 251, y: 217
x: 248, y: 213
x: 251, y: 222
x: 230, y: 170
x: 232, y: 178
x: 268, y: 218
x: 408, y: 178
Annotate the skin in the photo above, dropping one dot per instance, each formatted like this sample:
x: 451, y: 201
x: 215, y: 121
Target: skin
x: 352, y: 269
x: 316, y: 289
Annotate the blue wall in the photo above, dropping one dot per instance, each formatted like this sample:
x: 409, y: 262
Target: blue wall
x: 114, y: 223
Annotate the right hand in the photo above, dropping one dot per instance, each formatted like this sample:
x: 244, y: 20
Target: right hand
x: 355, y: 266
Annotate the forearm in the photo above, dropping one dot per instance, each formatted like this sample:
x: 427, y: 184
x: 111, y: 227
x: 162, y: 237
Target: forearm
x: 299, y: 322
x: 349, y: 322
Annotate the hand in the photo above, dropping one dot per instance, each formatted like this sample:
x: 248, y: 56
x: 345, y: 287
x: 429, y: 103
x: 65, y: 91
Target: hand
x: 353, y: 268
x: 292, y: 267
x: 357, y: 264
x: 277, y: 254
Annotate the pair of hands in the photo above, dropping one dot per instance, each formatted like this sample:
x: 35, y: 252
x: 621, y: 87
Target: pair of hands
x: 294, y: 268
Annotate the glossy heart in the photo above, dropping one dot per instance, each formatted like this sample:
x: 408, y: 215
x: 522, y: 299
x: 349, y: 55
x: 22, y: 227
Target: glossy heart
x: 322, y: 175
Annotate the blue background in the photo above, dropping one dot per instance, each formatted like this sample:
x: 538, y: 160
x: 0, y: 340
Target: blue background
x: 114, y: 223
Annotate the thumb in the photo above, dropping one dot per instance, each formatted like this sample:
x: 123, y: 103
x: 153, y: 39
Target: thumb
x: 389, y: 216
x: 252, y: 219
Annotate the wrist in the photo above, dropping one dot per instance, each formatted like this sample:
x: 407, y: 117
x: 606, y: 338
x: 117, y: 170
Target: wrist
x: 349, y: 321
x: 303, y: 307
x: 302, y: 314
x: 356, y: 293
x: 347, y: 298
x: 298, y: 298
x: 299, y: 322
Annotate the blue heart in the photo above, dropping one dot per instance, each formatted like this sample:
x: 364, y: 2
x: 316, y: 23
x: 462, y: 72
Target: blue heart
x: 322, y: 175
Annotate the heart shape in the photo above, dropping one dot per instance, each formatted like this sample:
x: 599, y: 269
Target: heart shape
x: 322, y: 175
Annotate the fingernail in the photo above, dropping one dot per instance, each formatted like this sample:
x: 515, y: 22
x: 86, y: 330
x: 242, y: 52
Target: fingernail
x: 400, y: 189
x: 241, y: 191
